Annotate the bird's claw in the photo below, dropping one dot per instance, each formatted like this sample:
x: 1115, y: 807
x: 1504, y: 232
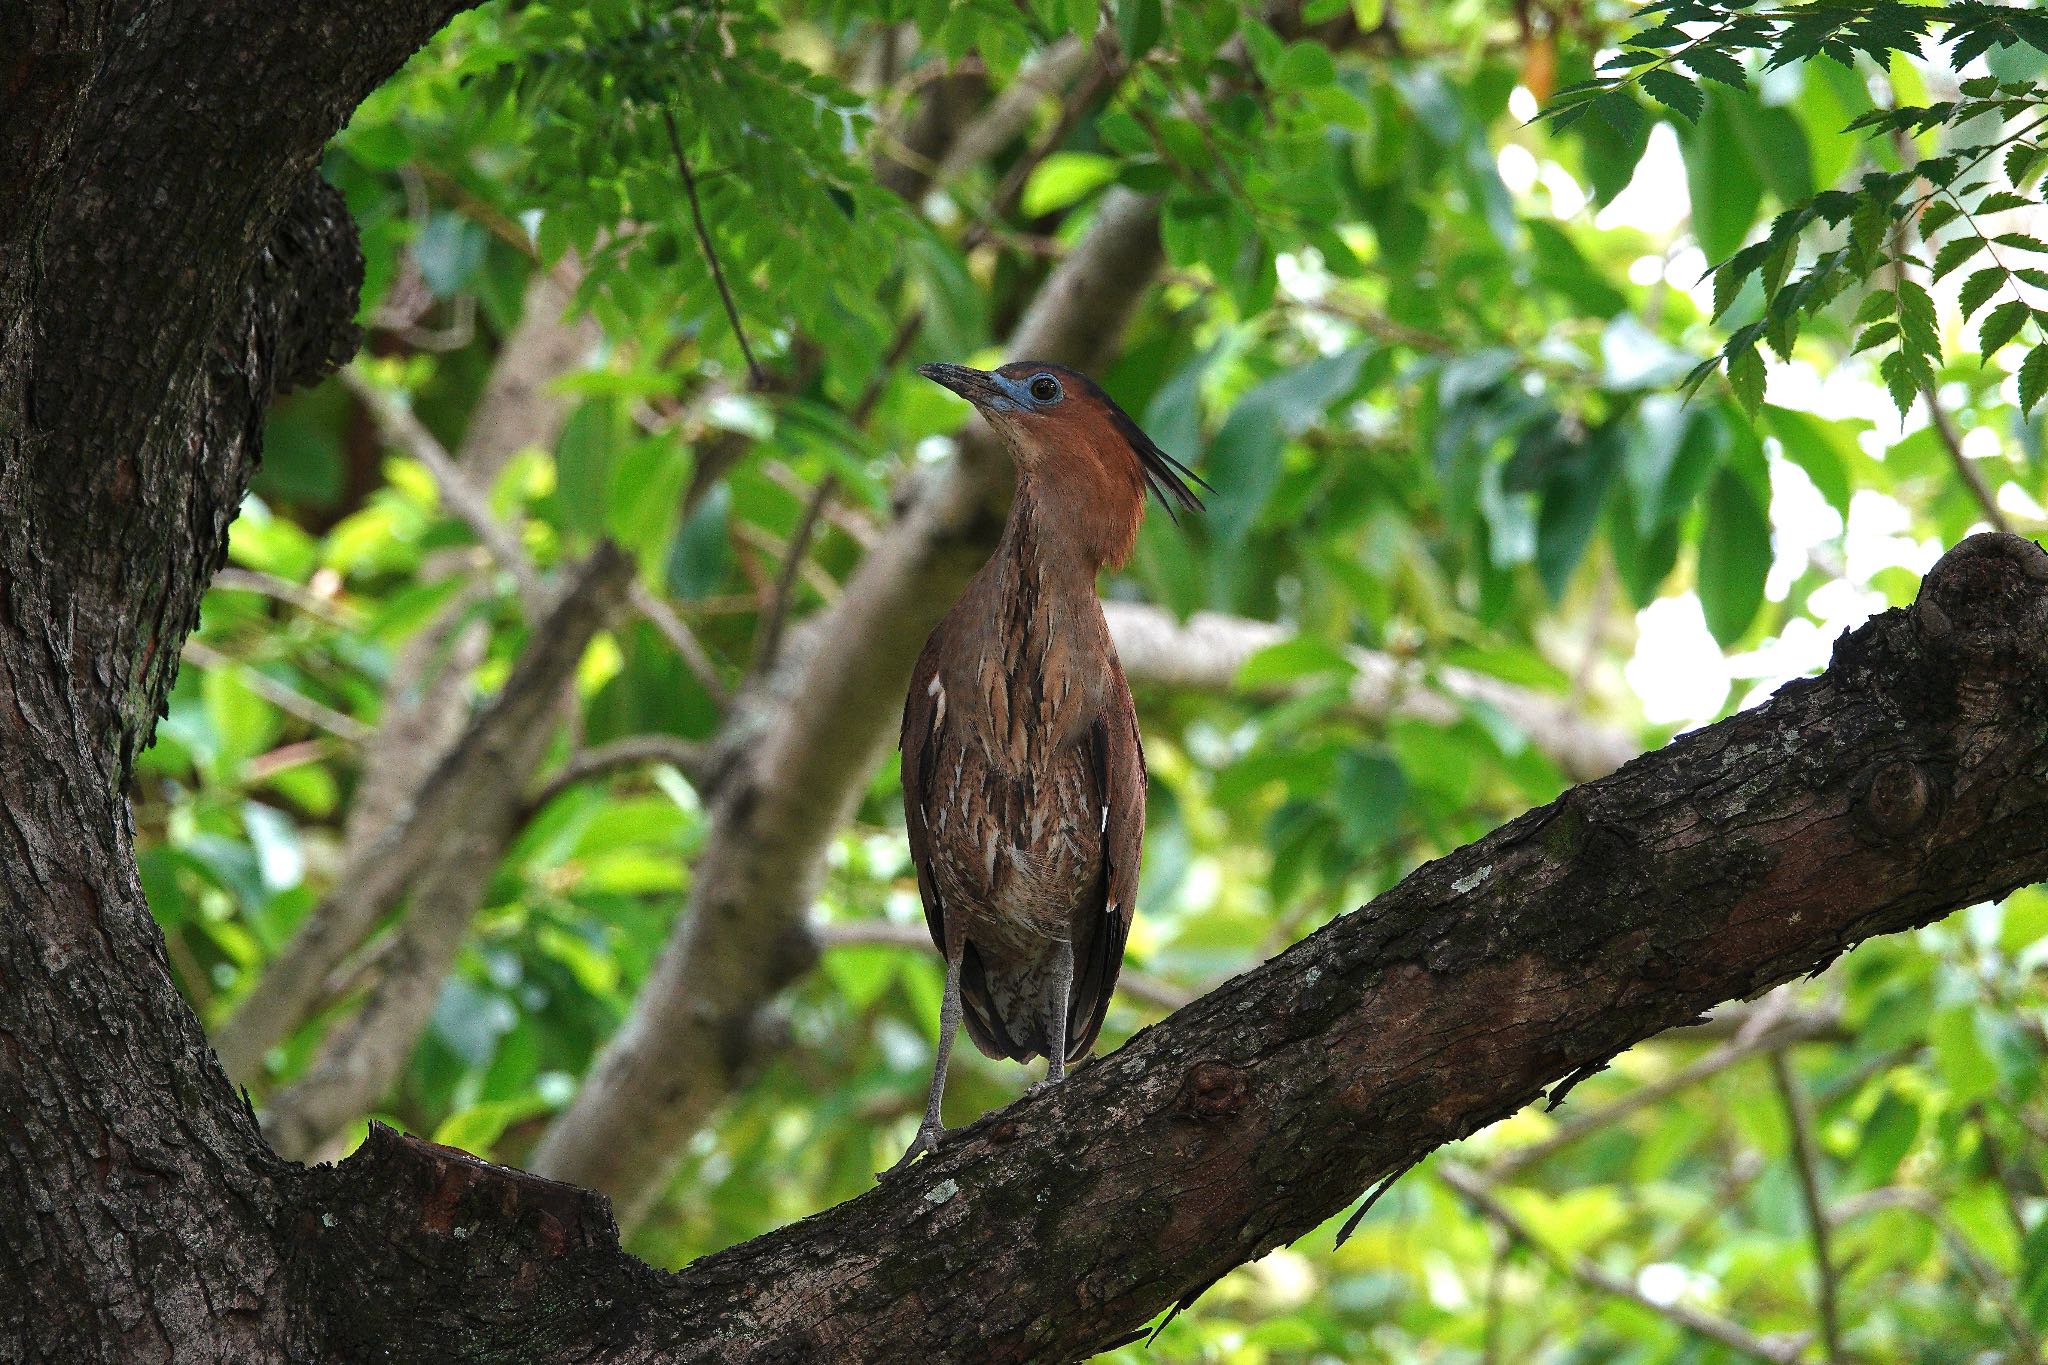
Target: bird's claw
x: 1044, y: 1083
x: 925, y: 1143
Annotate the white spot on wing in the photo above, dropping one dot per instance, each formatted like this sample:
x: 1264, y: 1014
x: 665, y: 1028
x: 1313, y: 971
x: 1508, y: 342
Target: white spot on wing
x: 937, y: 692
x: 1105, y: 819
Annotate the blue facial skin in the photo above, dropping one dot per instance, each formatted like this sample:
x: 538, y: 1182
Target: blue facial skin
x: 1014, y: 395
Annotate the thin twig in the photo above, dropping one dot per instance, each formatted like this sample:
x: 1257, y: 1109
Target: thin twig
x: 755, y: 375
x: 663, y: 618
x: 1959, y: 1246
x: 404, y: 429
x: 284, y: 590
x: 1797, y: 1028
x: 277, y: 694
x: 1806, y: 1163
x: 685, y: 756
x: 1945, y: 428
x: 1480, y: 1195
x: 768, y: 641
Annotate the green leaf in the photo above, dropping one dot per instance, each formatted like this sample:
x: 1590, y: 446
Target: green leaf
x: 2001, y: 326
x: 1901, y: 379
x: 1875, y: 336
x: 1720, y: 172
x: 1746, y: 378
x: 1370, y: 793
x: 1954, y: 254
x: 698, y: 556
x: 1292, y: 660
x: 1937, y: 216
x: 1735, y: 557
x: 1978, y: 289
x: 1065, y: 177
x: 1820, y: 447
x: 1137, y: 27
x: 1675, y: 93
x: 2033, y: 378
x: 1714, y: 65
x: 1877, y: 305
x: 2021, y: 161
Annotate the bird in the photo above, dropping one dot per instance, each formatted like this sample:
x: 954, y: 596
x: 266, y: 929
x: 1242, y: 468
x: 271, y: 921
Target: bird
x: 1023, y: 771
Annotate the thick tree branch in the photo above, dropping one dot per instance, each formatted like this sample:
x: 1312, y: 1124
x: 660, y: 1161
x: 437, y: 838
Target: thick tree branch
x: 1909, y: 780
x: 168, y: 262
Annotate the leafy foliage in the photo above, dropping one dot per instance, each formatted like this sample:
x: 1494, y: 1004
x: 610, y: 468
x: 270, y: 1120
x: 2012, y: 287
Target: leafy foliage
x: 1921, y: 215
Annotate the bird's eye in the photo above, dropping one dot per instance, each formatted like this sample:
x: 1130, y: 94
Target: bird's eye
x: 1045, y: 388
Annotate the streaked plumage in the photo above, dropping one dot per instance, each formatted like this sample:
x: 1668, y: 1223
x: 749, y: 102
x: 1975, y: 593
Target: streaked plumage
x: 1023, y: 773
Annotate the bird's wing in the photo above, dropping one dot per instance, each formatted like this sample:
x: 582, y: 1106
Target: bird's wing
x: 923, y: 712
x: 1118, y: 760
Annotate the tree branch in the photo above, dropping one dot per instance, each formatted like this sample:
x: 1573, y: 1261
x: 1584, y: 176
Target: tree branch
x: 362, y: 1057
x: 1482, y: 1197
x: 1773, y: 1037
x: 491, y: 765
x: 461, y: 497
x: 1207, y: 650
x: 1945, y: 429
x: 1806, y: 1163
x: 685, y: 756
x: 755, y: 374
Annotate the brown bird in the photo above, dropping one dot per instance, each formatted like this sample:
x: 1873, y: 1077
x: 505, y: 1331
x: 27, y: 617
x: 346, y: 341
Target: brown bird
x: 1023, y: 777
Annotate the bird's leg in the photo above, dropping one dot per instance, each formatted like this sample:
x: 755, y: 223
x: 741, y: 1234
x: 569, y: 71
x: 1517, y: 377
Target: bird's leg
x: 930, y: 1131
x: 1056, y: 1016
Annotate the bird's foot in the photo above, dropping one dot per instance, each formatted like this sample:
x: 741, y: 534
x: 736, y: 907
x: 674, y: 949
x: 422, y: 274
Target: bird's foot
x: 925, y: 1143
x: 1047, y: 1082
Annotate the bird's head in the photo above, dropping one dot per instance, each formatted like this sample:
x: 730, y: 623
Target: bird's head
x: 1073, y: 443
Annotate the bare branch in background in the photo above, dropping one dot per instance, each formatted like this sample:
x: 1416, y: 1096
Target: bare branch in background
x: 491, y: 760
x: 404, y: 430
x: 768, y: 637
x: 1207, y: 650
x: 1772, y: 1038
x: 292, y: 703
x: 1480, y: 1195
x: 521, y: 406
x: 1987, y: 1276
x: 359, y: 1060
x: 685, y: 756
x: 1966, y: 468
x: 663, y: 618
x: 1048, y: 73
x: 1806, y: 1164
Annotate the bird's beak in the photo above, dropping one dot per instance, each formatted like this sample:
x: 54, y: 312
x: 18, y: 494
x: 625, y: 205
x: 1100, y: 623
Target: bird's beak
x: 976, y: 386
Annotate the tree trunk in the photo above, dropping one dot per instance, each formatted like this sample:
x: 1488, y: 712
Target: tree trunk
x: 168, y: 262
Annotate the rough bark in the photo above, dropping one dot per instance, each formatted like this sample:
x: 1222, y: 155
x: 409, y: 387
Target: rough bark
x: 168, y: 261
x: 813, y: 735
